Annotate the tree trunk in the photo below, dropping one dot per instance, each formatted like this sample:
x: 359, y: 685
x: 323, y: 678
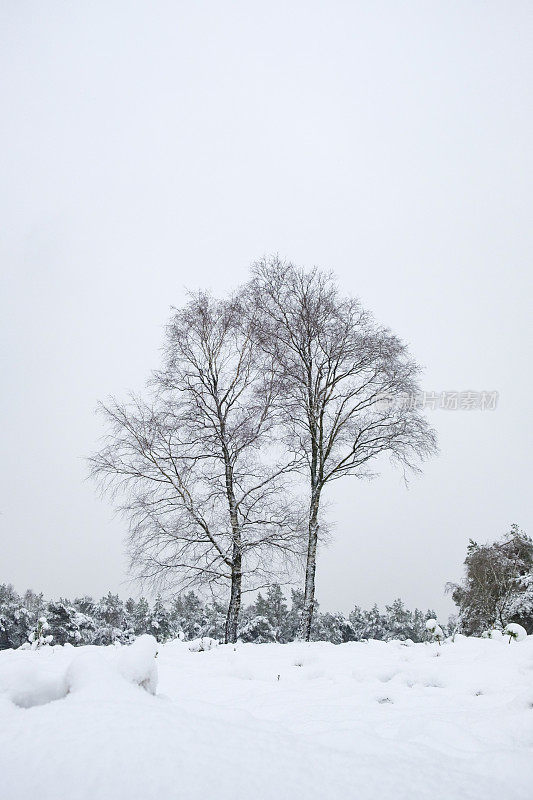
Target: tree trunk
x: 232, y: 617
x: 304, y: 630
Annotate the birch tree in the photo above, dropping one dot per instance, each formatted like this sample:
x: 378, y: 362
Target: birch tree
x: 196, y: 467
x: 345, y: 386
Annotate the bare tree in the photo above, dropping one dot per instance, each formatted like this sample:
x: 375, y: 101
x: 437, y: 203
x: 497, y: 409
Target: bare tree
x: 205, y: 494
x: 346, y: 385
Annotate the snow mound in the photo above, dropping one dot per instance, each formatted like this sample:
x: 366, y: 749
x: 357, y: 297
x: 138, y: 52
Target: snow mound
x: 515, y: 631
x: 91, y: 670
x: 103, y: 668
x: 33, y: 678
x: 31, y: 683
x: 137, y: 663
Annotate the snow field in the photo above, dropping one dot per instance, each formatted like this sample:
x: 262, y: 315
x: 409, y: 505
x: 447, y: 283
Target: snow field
x: 366, y: 720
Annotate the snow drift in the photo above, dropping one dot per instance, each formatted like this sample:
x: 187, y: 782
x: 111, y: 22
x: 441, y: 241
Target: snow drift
x: 37, y: 678
x: 361, y: 721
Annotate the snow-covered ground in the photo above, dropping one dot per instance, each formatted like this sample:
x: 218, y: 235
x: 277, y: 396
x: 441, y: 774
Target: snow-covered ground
x: 362, y: 720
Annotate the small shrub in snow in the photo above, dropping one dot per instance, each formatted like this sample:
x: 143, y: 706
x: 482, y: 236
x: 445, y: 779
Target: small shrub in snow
x: 515, y: 631
x: 39, y: 637
x: 494, y: 633
x: 205, y: 643
x: 434, y: 630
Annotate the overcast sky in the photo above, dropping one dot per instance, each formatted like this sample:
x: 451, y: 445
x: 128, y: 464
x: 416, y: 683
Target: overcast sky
x: 148, y: 146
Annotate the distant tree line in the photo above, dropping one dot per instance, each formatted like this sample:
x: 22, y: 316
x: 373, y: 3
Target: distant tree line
x: 497, y: 589
x: 270, y: 618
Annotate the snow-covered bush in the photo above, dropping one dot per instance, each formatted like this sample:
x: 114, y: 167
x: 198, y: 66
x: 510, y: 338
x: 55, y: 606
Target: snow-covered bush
x: 498, y: 584
x: 205, y: 643
x: 39, y: 637
x: 434, y: 630
x: 522, y: 604
x: 333, y: 628
x: 137, y: 663
x: 258, y: 630
x: 494, y: 633
x: 515, y: 631
x: 16, y: 619
x: 67, y: 625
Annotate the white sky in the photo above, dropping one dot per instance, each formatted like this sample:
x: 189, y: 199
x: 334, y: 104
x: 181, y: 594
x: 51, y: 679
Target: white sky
x: 150, y: 146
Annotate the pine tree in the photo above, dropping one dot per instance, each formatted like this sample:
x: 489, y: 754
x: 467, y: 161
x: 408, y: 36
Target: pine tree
x: 85, y: 604
x: 358, y: 619
x: 276, y: 610
x: 110, y: 621
x: 333, y: 628
x: 68, y: 625
x: 261, y: 606
x: 419, y: 625
x: 141, y: 616
x: 159, y: 621
x: 16, y: 621
x: 33, y: 602
x: 187, y: 616
x: 290, y: 628
x: 376, y: 625
x: 214, y: 621
x: 398, y: 621
x: 258, y: 630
